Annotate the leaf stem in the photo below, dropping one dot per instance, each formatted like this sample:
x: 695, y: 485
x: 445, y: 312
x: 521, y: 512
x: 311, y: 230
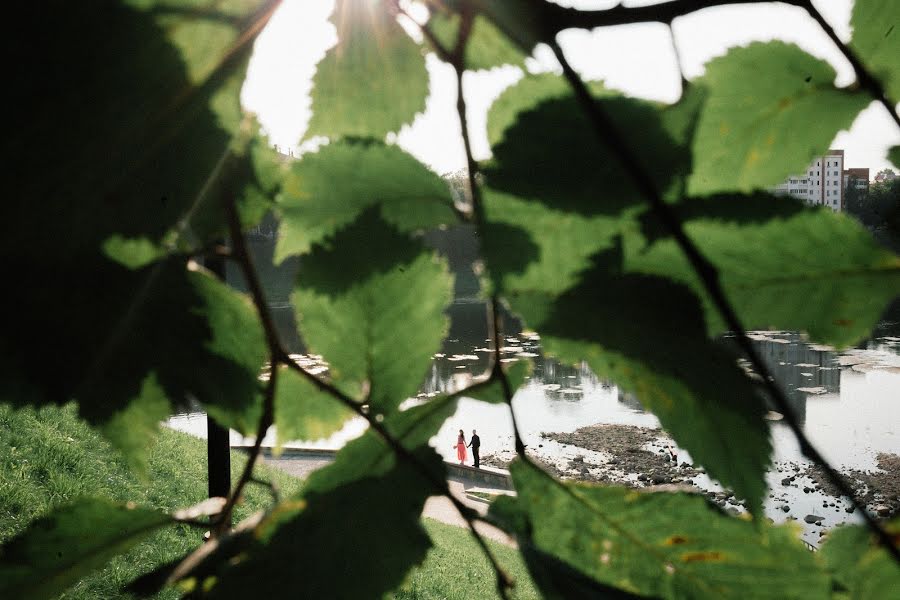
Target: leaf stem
x: 608, y: 134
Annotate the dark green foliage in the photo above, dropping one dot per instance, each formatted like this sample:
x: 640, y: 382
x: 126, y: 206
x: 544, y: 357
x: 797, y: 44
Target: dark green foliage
x: 486, y: 47
x: 329, y: 189
x: 760, y: 97
x: 573, y: 171
x: 61, y: 548
x: 877, y: 41
x: 133, y: 159
x: 782, y: 265
x: 661, y: 544
x: 861, y: 569
x: 380, y: 539
x: 371, y: 301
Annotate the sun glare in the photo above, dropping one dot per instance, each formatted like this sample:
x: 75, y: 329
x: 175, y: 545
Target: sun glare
x: 639, y: 60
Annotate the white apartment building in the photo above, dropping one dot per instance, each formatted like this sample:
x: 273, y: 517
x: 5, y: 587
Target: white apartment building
x: 822, y: 184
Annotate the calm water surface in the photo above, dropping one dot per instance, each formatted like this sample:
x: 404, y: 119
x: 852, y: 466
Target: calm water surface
x: 848, y: 402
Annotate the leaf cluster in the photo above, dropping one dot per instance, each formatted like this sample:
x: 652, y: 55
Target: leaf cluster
x: 630, y: 234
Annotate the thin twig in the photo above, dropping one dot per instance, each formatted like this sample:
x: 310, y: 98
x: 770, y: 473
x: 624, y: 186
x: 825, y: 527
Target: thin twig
x: 265, y: 421
x: 678, y: 59
x: 269, y: 485
x: 866, y: 80
x: 404, y: 454
x: 242, y: 255
x: 497, y: 371
x: 608, y: 134
x: 458, y: 62
x: 443, y: 53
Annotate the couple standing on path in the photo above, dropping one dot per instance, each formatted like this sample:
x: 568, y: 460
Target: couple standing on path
x: 474, y: 444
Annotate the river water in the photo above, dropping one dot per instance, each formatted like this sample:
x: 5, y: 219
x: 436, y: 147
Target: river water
x: 848, y: 403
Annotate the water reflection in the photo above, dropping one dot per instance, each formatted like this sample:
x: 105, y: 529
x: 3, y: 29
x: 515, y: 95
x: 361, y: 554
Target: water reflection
x: 801, y: 369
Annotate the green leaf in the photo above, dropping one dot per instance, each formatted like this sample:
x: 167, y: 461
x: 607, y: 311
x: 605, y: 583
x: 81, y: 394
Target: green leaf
x: 303, y: 412
x: 150, y: 136
x: 859, y: 565
x: 250, y: 175
x: 629, y: 328
x: 660, y: 544
x: 329, y: 189
x: 133, y: 429
x: 378, y: 542
x: 525, y: 95
x: 148, y: 94
x: 647, y: 334
x: 530, y: 247
x: 486, y: 46
x: 520, y: 20
x: 370, y: 456
x: 373, y: 81
x: 558, y: 581
x: 574, y: 171
x: 59, y: 549
x: 372, y: 303
x: 894, y: 156
x: 782, y: 265
x: 876, y: 41
x: 492, y: 392
x: 771, y: 107
x: 132, y: 335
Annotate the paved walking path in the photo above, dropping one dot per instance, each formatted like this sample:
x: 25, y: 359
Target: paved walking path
x: 439, y: 508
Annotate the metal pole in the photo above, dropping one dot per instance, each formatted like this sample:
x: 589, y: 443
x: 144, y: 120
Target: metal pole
x: 218, y: 456
x: 218, y: 441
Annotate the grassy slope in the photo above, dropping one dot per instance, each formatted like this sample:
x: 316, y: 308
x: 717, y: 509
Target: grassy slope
x: 48, y: 457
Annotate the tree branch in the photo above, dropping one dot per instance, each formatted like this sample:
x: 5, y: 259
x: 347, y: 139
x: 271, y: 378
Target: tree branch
x: 557, y: 18
x: 242, y: 255
x: 607, y: 133
x: 865, y: 79
x: 403, y: 453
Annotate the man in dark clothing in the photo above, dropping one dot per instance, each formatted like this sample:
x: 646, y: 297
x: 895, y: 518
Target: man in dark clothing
x: 475, y: 444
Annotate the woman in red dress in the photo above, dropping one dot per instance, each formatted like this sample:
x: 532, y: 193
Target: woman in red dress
x: 461, y: 447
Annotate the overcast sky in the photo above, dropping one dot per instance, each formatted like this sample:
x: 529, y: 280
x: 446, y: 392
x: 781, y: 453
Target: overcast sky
x: 637, y: 59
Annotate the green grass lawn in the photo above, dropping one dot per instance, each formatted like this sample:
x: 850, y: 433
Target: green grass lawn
x: 49, y: 457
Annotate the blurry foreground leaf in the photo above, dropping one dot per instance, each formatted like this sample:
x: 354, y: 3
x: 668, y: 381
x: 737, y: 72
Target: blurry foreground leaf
x: 59, y: 549
x: 380, y: 539
x: 660, y: 544
x: 329, y: 189
x: 372, y: 302
x: 876, y: 41
x: 647, y: 334
x: 859, y: 565
x: 373, y: 81
x: 783, y: 265
x: 570, y: 169
x: 771, y: 107
x: 486, y: 47
x: 303, y: 412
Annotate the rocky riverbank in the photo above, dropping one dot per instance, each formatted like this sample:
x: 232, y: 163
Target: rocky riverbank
x: 646, y: 458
